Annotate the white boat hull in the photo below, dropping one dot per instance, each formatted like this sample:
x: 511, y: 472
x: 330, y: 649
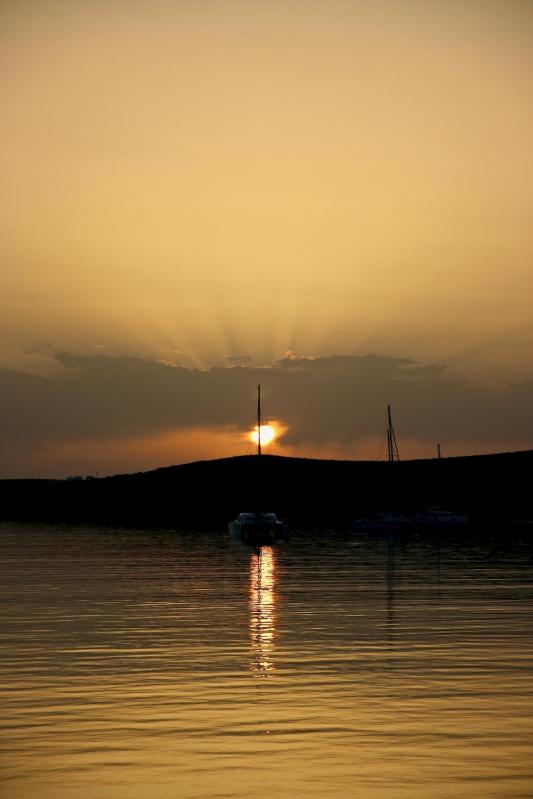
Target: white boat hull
x: 258, y: 533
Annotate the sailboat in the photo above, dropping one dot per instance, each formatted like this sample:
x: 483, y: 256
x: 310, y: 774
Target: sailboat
x: 257, y: 527
x: 384, y: 522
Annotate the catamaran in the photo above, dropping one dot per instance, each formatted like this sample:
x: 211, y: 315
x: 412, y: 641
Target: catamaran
x: 257, y: 527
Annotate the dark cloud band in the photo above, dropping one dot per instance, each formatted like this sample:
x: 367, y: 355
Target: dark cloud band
x: 322, y: 400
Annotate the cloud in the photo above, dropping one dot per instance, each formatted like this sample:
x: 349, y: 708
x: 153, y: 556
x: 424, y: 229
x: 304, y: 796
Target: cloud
x: 323, y: 400
x: 238, y: 358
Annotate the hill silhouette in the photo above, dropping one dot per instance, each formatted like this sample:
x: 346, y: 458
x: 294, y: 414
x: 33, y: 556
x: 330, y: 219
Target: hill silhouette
x: 308, y: 493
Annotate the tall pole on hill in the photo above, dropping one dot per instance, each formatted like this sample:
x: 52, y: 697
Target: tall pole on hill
x: 259, y: 419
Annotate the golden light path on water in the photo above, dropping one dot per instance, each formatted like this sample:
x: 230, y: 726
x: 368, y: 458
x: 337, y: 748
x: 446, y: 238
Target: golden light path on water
x: 262, y: 607
x: 152, y: 663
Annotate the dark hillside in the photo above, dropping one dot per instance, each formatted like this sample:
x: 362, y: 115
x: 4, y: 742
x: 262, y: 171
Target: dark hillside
x: 310, y: 493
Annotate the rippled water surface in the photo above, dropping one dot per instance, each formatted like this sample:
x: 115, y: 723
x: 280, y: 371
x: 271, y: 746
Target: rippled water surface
x: 154, y: 665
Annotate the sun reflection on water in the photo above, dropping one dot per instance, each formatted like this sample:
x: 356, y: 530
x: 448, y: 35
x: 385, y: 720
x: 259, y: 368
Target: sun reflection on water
x: 262, y: 606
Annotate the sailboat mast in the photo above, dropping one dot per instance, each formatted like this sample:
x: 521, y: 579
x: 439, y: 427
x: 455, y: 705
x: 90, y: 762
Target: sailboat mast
x: 392, y: 446
x: 390, y: 453
x: 259, y: 419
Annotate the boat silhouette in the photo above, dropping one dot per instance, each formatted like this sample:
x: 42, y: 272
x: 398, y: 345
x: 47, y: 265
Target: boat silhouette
x: 258, y: 527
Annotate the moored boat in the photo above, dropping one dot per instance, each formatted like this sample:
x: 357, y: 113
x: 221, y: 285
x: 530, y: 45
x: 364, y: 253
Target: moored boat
x: 386, y: 522
x: 258, y: 529
x: 438, y: 517
x: 381, y: 522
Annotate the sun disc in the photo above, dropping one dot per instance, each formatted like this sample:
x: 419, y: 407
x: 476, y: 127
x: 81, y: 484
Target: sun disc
x: 268, y: 434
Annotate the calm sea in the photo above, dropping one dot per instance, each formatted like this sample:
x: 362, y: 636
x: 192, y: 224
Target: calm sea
x: 158, y: 665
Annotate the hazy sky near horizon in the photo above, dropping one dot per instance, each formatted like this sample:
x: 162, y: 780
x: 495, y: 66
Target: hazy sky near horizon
x: 213, y: 182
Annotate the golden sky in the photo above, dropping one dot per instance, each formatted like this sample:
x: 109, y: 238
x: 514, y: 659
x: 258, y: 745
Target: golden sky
x: 187, y: 181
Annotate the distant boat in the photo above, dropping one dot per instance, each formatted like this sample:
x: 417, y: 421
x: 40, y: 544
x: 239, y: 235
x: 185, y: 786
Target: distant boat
x: 439, y: 518
x: 388, y: 522
x: 257, y: 527
x: 384, y: 522
x: 381, y: 522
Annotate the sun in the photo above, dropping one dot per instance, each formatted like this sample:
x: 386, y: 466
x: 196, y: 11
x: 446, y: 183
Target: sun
x: 268, y: 434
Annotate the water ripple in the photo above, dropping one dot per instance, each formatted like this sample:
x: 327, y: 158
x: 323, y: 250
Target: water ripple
x: 156, y: 664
